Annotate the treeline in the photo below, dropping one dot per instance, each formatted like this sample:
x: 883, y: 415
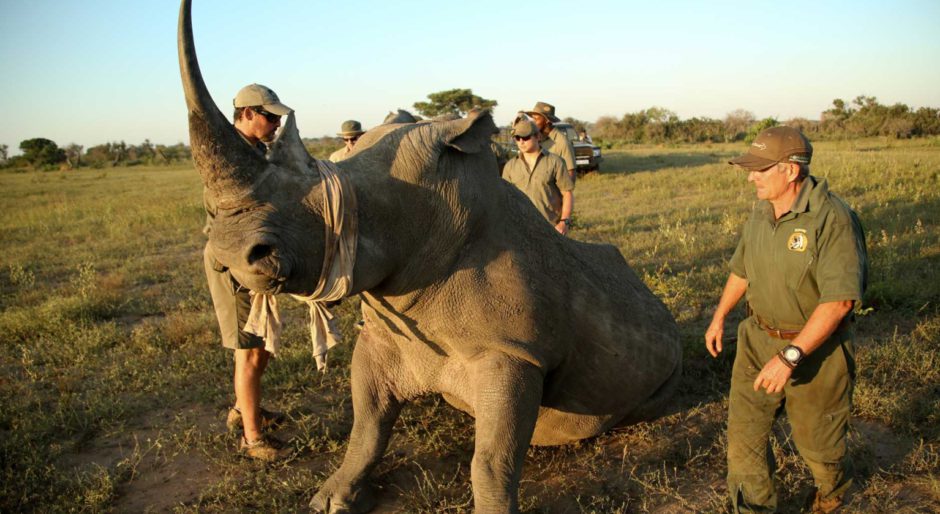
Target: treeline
x: 45, y: 154
x: 863, y: 117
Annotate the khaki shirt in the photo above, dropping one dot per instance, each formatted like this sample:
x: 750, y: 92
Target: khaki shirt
x: 558, y: 144
x: 339, y: 155
x: 813, y: 254
x: 543, y: 184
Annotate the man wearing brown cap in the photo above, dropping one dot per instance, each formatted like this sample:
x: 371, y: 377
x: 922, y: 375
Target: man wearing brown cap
x: 257, y: 117
x: 350, y: 132
x: 552, y: 139
x: 540, y: 175
x: 802, y: 264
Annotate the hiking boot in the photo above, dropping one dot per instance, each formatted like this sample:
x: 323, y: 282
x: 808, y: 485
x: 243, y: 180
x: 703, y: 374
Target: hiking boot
x: 267, y: 448
x: 817, y: 505
x: 269, y: 420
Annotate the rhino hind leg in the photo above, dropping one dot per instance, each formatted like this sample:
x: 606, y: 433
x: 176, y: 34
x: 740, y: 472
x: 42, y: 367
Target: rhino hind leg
x: 375, y: 410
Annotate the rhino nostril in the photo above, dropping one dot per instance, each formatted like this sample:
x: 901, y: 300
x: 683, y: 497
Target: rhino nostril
x: 259, y: 252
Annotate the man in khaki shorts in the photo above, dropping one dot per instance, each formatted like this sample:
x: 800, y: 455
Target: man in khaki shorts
x: 350, y: 132
x: 540, y: 175
x: 802, y: 263
x: 257, y: 117
x: 552, y: 139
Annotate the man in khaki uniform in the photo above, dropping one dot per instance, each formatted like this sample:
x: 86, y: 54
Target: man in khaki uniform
x: 553, y: 139
x: 802, y: 263
x: 257, y: 117
x: 350, y: 132
x: 540, y: 175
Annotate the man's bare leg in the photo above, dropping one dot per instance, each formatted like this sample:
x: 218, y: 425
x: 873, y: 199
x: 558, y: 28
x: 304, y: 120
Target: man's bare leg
x: 249, y: 367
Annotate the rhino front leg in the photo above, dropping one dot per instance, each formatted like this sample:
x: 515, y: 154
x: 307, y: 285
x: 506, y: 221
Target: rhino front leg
x: 375, y: 409
x: 507, y: 397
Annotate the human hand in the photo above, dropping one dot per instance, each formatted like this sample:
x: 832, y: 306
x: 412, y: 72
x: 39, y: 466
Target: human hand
x: 562, y: 228
x: 773, y: 376
x: 713, y: 336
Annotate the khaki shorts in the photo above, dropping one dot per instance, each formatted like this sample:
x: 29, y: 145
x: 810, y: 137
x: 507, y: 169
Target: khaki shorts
x: 232, y: 304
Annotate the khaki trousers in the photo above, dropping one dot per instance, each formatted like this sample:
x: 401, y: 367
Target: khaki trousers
x: 817, y: 402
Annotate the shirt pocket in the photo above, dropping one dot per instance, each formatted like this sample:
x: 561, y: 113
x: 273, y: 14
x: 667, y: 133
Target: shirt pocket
x: 799, y: 266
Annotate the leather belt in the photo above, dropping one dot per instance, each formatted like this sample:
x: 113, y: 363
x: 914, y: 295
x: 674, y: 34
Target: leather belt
x: 788, y: 335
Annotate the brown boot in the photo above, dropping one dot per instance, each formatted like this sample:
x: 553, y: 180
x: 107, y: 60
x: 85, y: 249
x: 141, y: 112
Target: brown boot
x: 821, y: 506
x: 267, y: 448
x: 269, y: 420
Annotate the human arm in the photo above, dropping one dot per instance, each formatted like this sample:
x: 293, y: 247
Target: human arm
x: 734, y: 289
x: 570, y: 160
x: 567, y: 205
x: 821, y: 324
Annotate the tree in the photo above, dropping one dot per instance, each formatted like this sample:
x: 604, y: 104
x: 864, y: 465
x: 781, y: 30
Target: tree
x: 736, y: 124
x: 73, y: 155
x: 578, y: 125
x: 452, y: 101
x: 40, y: 151
x: 3, y: 153
x: 759, y: 127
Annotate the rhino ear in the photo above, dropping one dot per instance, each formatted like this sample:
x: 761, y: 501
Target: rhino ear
x: 471, y: 134
x: 288, y: 150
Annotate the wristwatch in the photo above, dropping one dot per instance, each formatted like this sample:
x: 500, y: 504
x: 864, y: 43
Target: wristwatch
x: 791, y: 355
x: 567, y: 221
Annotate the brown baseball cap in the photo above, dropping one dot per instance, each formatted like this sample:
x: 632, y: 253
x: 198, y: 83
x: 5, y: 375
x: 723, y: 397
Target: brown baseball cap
x: 547, y: 110
x: 350, y: 128
x: 524, y: 126
x: 773, y: 145
x: 256, y: 95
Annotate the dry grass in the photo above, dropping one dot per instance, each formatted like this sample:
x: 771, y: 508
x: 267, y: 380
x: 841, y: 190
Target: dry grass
x: 113, y: 386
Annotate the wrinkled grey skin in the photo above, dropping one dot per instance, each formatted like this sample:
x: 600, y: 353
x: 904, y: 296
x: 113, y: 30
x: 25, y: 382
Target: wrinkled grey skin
x: 466, y: 291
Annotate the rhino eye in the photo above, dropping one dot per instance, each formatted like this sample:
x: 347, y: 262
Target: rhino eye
x: 259, y: 252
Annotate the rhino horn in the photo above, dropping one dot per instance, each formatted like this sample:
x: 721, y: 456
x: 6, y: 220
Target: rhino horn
x: 288, y: 150
x: 228, y: 164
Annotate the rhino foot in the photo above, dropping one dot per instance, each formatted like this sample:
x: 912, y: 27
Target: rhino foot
x: 334, y: 498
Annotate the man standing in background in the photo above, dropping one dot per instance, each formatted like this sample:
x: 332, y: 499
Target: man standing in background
x: 540, y: 175
x: 551, y: 138
x: 350, y: 132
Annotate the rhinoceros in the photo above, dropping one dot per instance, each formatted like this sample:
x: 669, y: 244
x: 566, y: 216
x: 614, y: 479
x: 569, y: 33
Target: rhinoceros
x: 466, y: 291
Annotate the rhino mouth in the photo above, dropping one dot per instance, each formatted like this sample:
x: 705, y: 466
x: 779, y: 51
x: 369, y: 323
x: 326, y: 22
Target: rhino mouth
x: 266, y: 272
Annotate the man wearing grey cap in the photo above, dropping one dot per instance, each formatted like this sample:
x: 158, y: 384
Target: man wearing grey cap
x: 552, y: 139
x: 257, y: 117
x: 540, y: 175
x: 802, y: 264
x: 350, y: 132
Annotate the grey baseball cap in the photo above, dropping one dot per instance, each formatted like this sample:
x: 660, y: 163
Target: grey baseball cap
x: 524, y: 126
x: 256, y: 95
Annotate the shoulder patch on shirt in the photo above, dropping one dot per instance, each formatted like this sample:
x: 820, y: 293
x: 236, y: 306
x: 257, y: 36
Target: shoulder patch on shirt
x: 797, y: 241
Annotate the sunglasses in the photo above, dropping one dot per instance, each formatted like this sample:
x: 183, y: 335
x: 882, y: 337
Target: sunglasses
x: 522, y: 138
x: 351, y: 139
x: 270, y: 116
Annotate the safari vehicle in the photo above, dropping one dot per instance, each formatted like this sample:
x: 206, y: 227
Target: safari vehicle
x: 587, y: 156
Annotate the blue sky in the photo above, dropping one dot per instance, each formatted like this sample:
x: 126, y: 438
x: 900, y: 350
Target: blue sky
x: 91, y: 72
